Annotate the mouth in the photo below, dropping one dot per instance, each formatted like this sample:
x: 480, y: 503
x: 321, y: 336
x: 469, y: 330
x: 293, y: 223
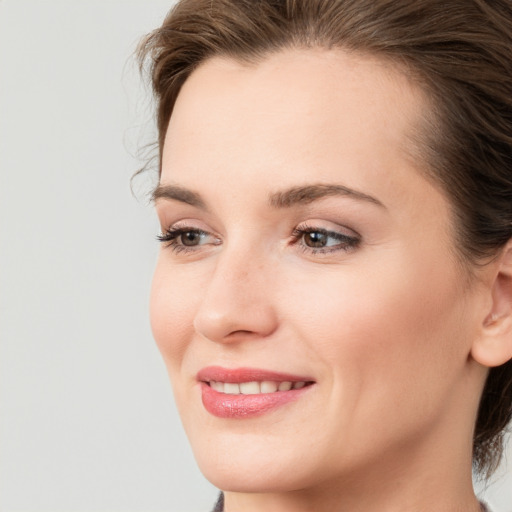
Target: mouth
x: 254, y: 387
x: 247, y: 392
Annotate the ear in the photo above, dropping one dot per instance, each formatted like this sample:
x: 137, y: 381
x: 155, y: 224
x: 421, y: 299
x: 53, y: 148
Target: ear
x: 493, y: 347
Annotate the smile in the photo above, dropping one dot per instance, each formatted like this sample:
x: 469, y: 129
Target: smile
x: 247, y: 392
x: 254, y: 387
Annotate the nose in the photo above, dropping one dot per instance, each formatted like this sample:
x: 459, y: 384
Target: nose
x: 237, y: 303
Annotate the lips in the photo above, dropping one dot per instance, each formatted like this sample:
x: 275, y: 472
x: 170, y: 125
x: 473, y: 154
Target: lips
x: 248, y: 392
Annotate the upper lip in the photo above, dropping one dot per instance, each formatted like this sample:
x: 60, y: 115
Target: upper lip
x: 238, y: 375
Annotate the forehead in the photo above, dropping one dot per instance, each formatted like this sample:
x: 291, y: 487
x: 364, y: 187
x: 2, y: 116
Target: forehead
x: 295, y: 101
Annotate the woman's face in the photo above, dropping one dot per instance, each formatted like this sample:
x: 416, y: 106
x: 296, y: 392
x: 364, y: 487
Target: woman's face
x: 305, y: 249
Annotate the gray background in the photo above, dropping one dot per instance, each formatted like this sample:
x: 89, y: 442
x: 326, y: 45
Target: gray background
x: 86, y: 415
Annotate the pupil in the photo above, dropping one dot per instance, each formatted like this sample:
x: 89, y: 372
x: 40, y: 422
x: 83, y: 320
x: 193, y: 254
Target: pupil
x: 190, y: 238
x: 316, y: 239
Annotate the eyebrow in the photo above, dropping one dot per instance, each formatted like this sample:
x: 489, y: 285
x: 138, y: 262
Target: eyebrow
x: 177, y: 193
x: 283, y: 199
x: 310, y: 193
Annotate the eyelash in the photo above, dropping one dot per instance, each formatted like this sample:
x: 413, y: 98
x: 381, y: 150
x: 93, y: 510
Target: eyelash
x: 345, y: 242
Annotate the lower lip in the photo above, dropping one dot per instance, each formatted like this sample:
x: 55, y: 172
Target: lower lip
x: 240, y: 406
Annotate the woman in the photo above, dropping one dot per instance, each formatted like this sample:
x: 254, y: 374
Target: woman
x: 333, y: 296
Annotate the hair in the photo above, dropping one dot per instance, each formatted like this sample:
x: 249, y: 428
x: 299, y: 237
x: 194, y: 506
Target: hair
x: 459, y: 51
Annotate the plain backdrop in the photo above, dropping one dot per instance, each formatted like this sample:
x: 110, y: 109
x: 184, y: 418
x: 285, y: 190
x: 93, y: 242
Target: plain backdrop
x: 87, y: 422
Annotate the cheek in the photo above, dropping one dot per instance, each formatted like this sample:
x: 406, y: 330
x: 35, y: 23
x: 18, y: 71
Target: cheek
x: 395, y: 318
x: 171, y: 313
x: 392, y: 346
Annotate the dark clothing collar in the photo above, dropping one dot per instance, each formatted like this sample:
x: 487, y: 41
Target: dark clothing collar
x: 219, y: 506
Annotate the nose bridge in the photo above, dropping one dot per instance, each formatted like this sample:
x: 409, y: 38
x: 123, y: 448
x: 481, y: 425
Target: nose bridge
x: 236, y: 302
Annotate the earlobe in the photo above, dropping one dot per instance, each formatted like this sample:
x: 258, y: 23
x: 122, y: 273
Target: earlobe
x: 493, y: 347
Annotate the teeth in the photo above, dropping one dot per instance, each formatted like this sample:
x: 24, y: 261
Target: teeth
x: 268, y: 386
x: 254, y: 387
x: 218, y: 386
x: 231, y: 388
x: 250, y: 388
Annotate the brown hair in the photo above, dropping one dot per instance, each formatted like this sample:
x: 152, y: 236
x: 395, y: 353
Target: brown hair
x: 461, y: 53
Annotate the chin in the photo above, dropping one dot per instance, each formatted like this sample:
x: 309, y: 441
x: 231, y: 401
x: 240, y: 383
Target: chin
x: 245, y: 479
x: 257, y: 469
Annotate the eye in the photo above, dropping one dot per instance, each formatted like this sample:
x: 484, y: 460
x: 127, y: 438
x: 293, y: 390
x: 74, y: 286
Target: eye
x: 191, y: 238
x: 187, y: 238
x: 319, y: 240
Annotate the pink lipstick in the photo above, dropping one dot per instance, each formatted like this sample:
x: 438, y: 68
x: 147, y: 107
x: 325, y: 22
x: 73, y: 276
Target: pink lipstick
x: 248, y: 392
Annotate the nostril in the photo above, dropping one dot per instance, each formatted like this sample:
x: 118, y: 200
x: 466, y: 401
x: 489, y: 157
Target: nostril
x: 242, y: 333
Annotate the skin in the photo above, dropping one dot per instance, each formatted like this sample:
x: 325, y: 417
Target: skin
x: 387, y: 327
